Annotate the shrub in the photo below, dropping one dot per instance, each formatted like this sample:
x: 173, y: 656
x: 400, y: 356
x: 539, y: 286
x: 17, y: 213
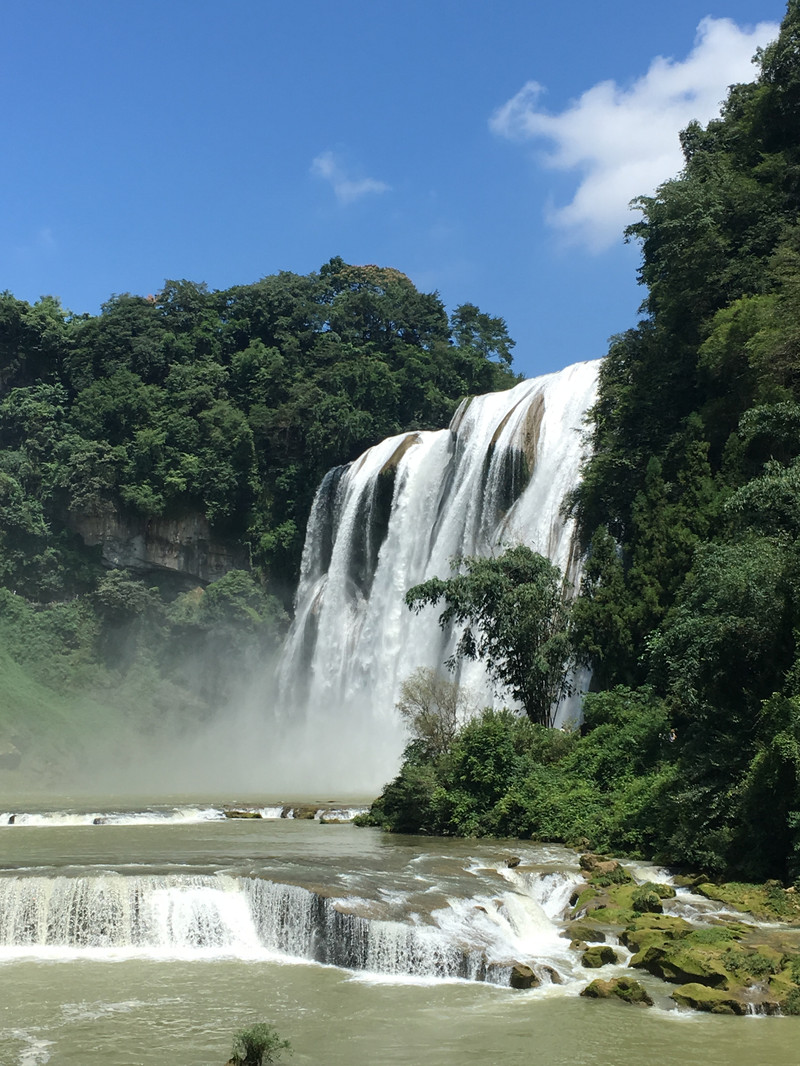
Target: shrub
x: 258, y: 1044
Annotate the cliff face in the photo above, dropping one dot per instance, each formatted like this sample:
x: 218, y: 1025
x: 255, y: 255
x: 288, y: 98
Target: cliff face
x: 184, y: 547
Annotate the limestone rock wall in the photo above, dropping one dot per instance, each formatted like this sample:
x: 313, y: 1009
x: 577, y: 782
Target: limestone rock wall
x: 184, y: 546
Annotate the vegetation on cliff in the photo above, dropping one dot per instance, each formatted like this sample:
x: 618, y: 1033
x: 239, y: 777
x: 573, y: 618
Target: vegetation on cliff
x: 688, y: 504
x: 224, y: 408
x: 689, y: 611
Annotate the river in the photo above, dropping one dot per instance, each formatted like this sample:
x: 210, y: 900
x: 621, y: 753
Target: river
x: 153, y: 935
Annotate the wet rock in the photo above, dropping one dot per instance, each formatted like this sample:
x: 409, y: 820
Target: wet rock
x: 553, y: 974
x: 603, y: 871
x: 679, y: 965
x: 647, y: 903
x: 653, y: 929
x: 589, y: 862
x: 624, y: 988
x: 601, y: 955
x: 713, y: 1000
x: 513, y: 861
x: 522, y: 976
x: 235, y: 813
x: 304, y: 813
x: 582, y: 930
x: 11, y: 819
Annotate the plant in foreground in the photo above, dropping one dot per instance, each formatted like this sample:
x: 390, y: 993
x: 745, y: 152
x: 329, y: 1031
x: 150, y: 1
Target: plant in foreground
x: 258, y: 1044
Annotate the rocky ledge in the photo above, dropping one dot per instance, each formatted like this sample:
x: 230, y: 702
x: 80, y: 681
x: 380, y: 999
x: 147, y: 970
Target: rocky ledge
x: 744, y: 958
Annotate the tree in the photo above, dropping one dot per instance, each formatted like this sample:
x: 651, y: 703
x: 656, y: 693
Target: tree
x: 516, y: 617
x: 433, y: 708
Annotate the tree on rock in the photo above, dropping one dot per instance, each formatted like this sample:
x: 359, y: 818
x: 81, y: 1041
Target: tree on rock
x: 516, y: 617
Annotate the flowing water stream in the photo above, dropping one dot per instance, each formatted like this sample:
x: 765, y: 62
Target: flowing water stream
x: 151, y: 936
x: 146, y: 934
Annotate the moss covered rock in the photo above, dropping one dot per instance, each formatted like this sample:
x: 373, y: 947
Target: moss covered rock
x: 603, y: 871
x: 713, y: 1000
x: 601, y: 955
x: 587, y: 931
x: 769, y: 901
x: 624, y: 988
x: 653, y: 929
x: 679, y: 964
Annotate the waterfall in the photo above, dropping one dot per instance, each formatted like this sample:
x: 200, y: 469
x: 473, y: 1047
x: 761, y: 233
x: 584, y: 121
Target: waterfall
x: 221, y: 915
x: 397, y: 516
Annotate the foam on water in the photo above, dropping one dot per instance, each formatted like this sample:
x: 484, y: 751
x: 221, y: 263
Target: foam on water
x: 194, y: 916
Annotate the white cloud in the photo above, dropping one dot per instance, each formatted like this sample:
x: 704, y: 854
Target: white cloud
x: 347, y: 188
x: 624, y: 141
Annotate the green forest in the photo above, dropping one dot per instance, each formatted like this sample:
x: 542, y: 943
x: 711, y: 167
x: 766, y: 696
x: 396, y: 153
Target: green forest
x: 230, y: 406
x: 689, y: 511
x: 222, y: 409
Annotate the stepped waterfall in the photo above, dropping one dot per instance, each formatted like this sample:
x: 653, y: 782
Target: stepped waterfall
x: 396, y: 516
x: 206, y: 916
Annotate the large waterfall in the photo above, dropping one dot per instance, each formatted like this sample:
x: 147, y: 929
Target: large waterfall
x: 396, y: 516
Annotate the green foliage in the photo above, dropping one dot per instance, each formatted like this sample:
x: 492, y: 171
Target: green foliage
x: 258, y: 1044
x: 515, y: 614
x: 432, y: 708
x: 228, y: 405
x: 688, y: 505
x: 504, y: 775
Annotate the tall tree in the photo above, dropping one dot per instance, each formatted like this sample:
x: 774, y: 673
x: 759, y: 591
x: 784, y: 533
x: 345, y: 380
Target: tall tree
x: 516, y: 617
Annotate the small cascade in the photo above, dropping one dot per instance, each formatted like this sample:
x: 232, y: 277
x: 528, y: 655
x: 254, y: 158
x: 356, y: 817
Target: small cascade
x: 185, y: 815
x: 207, y: 916
x: 397, y: 516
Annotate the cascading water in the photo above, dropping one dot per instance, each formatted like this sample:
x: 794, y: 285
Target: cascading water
x: 209, y: 916
x: 397, y: 516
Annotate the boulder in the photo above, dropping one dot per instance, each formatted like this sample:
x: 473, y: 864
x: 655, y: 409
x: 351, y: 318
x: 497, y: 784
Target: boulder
x: 646, y: 902
x: 582, y: 930
x: 522, y: 976
x: 513, y: 861
x: 590, y: 863
x: 304, y: 813
x: 653, y: 929
x: 242, y: 814
x: 624, y: 988
x: 601, y: 955
x: 680, y: 965
x: 713, y: 1000
x: 554, y: 975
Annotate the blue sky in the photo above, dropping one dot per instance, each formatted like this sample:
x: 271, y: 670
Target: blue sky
x: 486, y: 150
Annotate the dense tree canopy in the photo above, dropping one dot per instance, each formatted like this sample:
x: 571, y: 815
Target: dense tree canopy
x: 233, y: 403
x: 688, y: 505
x: 227, y: 405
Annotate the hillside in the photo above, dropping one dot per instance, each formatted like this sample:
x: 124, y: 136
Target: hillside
x: 158, y: 462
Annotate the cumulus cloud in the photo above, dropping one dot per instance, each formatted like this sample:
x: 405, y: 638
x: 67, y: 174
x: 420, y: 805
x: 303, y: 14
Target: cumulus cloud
x: 346, y: 188
x: 623, y: 142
